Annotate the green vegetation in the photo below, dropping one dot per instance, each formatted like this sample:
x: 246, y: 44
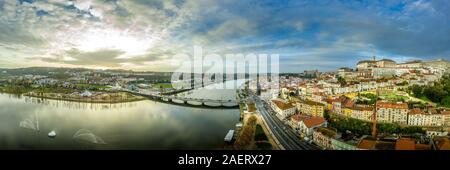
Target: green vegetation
x: 438, y: 93
x: 416, y: 104
x: 263, y: 146
x: 163, y: 85
x: 259, y: 134
x: 247, y: 134
x: 341, y: 80
x: 394, y: 98
x: 404, y: 83
x: 90, y: 87
x: 359, y: 127
x: 252, y: 136
x: 371, y: 99
x: 15, y: 89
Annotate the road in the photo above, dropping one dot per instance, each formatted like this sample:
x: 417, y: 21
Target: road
x: 284, y: 134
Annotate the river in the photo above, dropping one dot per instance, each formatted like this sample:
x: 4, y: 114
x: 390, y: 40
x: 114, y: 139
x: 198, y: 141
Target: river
x: 25, y: 123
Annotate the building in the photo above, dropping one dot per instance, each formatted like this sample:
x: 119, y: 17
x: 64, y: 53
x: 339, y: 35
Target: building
x: 86, y: 94
x: 383, y: 63
x: 347, y: 73
x: 311, y: 108
x: 388, y: 112
x: 366, y: 144
x: 432, y: 133
x: 338, y: 144
x: 311, y: 73
x: 306, y: 126
x: 323, y: 137
x: 405, y: 144
x: 283, y: 109
x: 373, y: 144
x: 417, y: 117
x: 399, y: 144
x: 446, y: 117
x: 295, y: 121
x: 386, y: 63
x: 365, y: 64
x: 362, y: 112
x: 410, y: 144
x: 411, y: 64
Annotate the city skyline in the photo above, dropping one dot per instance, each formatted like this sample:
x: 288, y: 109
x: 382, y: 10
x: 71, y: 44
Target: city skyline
x: 144, y: 35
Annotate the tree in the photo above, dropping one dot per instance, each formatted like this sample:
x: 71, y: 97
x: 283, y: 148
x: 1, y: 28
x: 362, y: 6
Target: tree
x: 251, y: 120
x: 341, y: 80
x: 435, y: 93
x: 416, y: 90
x: 446, y: 101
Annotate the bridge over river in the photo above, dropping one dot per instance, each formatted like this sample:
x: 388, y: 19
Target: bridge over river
x: 195, y: 102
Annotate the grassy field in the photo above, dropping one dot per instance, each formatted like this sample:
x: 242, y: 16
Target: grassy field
x: 394, y: 97
x: 164, y: 85
x: 91, y: 85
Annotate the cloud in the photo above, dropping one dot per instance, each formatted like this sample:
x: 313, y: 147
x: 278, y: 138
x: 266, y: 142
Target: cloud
x: 146, y: 34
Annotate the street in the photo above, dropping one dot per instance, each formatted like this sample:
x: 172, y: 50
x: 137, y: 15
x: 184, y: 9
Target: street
x: 284, y: 134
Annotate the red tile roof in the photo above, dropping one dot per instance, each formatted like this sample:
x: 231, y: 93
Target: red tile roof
x: 312, y: 103
x: 416, y: 111
x: 405, y: 144
x: 363, y: 107
x: 282, y: 105
x: 445, y: 112
x: 314, y: 121
x: 298, y: 117
x: 392, y: 105
x: 367, y: 144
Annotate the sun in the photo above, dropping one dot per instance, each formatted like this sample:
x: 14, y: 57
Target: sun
x: 112, y: 39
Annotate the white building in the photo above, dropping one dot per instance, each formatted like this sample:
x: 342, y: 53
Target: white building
x: 86, y: 94
x: 418, y: 117
x: 392, y: 112
x: 283, y: 109
x: 306, y: 126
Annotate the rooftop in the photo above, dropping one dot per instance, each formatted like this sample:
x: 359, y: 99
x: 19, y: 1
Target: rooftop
x: 282, y: 105
x: 327, y: 132
x: 363, y: 107
x: 405, y: 144
x: 314, y: 121
x: 392, y: 105
x: 309, y: 102
x: 367, y: 144
x: 298, y: 117
x: 416, y: 111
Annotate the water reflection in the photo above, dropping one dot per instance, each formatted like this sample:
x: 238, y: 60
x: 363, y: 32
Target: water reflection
x: 225, y: 91
x: 74, y: 105
x: 136, y: 125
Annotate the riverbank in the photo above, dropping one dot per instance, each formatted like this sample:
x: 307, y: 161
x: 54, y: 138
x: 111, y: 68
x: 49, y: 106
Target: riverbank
x: 253, y: 135
x: 89, y: 97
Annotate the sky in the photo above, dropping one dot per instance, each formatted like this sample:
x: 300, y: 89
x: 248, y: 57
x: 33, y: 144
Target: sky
x: 147, y: 34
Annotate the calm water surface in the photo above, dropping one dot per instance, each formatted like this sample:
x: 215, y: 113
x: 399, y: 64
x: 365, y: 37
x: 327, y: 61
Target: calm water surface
x: 137, y: 125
